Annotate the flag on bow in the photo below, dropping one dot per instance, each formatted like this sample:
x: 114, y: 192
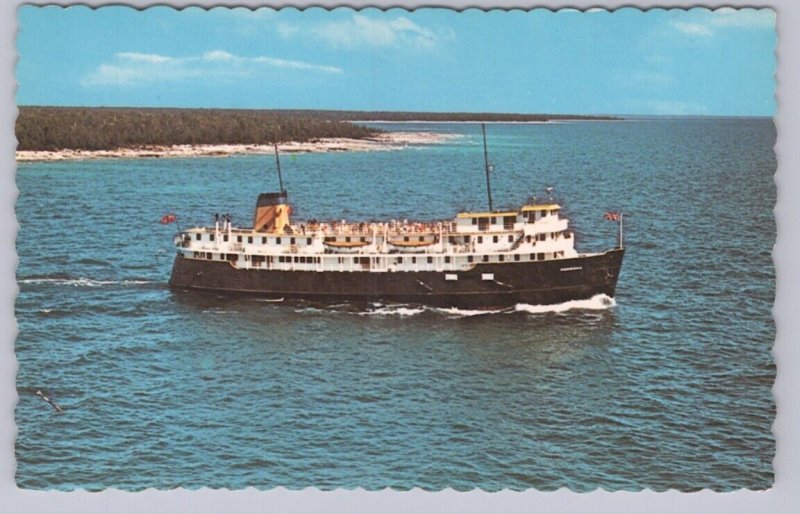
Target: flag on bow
x: 168, y: 218
x: 612, y: 216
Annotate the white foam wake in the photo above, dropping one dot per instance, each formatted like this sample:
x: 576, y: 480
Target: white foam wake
x: 82, y: 282
x: 595, y: 303
x: 394, y: 310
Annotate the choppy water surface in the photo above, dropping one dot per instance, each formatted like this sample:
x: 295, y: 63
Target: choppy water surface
x: 667, y: 386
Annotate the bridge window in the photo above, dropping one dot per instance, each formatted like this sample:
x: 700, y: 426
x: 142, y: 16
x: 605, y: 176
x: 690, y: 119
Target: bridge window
x: 494, y: 239
x: 197, y: 237
x: 474, y: 221
x: 508, y: 222
x: 225, y: 238
x: 494, y: 220
x: 210, y: 237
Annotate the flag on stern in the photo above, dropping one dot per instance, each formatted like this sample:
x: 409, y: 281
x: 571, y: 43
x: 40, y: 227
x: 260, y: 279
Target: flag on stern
x: 612, y: 216
x: 168, y: 218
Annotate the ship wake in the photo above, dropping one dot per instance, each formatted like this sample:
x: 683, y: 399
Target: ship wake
x: 598, y: 302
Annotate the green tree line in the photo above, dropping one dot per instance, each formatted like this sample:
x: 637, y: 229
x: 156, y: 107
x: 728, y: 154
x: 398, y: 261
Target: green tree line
x: 55, y: 128
x: 108, y: 128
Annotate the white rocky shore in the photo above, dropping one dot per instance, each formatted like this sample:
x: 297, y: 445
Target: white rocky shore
x: 382, y: 142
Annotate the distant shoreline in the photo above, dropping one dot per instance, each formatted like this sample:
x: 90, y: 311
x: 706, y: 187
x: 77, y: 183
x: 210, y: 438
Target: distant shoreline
x: 382, y: 142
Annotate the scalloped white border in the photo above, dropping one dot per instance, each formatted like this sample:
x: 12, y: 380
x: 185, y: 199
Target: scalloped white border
x: 783, y: 497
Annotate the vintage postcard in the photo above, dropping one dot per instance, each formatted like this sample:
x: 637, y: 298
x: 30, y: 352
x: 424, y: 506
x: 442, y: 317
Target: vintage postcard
x: 430, y: 249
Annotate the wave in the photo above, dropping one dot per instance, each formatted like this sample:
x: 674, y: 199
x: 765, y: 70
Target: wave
x: 394, y: 310
x: 595, y: 303
x: 82, y: 281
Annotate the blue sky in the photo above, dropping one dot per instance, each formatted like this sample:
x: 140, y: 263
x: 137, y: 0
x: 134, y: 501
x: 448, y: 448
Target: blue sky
x: 674, y: 62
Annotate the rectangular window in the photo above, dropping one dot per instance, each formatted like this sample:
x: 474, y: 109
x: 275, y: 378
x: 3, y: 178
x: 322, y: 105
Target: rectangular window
x: 466, y: 239
x: 516, y: 256
x: 494, y: 239
x: 430, y: 260
x: 447, y: 259
x: 277, y: 240
x: 483, y: 223
x: 480, y: 239
x: 291, y: 241
x: 308, y: 240
x: 485, y: 258
x: 508, y: 222
x: 510, y: 238
x: 355, y: 260
x: 347, y: 239
x: 487, y: 276
x: 363, y: 239
x: 250, y: 239
x: 494, y: 220
x: 540, y: 256
x: 451, y: 276
x: 263, y: 240
x: 405, y: 238
x: 501, y: 258
x: 470, y: 258
x: 474, y: 221
x: 197, y: 237
x: 238, y: 239
x: 225, y: 238
x: 421, y: 238
x: 210, y: 237
x: 533, y: 256
x: 399, y: 260
x: 413, y: 260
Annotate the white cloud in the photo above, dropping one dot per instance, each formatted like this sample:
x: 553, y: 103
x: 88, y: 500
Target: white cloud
x: 693, y: 29
x: 361, y: 30
x: 652, y: 78
x: 745, y: 18
x: 676, y: 108
x: 132, y: 68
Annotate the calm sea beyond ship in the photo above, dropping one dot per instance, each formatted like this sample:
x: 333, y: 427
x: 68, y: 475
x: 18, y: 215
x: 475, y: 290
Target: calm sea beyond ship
x: 477, y: 260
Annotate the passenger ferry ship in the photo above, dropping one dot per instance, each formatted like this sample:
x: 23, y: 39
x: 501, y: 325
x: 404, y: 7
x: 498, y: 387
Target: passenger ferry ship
x: 477, y: 260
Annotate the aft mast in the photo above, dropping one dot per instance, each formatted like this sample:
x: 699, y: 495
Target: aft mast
x: 488, y: 167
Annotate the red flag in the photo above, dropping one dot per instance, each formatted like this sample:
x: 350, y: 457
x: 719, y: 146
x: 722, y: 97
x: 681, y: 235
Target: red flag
x: 612, y: 216
x: 168, y: 218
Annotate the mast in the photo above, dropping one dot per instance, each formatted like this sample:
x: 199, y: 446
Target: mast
x: 488, y: 166
x: 278, y: 164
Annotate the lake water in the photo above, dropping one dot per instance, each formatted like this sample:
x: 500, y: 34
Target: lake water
x: 668, y: 387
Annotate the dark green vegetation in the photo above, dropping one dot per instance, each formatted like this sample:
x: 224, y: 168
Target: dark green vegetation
x: 102, y: 128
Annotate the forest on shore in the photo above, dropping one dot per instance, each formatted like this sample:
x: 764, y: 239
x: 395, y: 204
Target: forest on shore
x: 109, y: 128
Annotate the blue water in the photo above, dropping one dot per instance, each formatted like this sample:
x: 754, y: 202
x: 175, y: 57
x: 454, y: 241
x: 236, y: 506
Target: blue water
x: 670, y: 387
